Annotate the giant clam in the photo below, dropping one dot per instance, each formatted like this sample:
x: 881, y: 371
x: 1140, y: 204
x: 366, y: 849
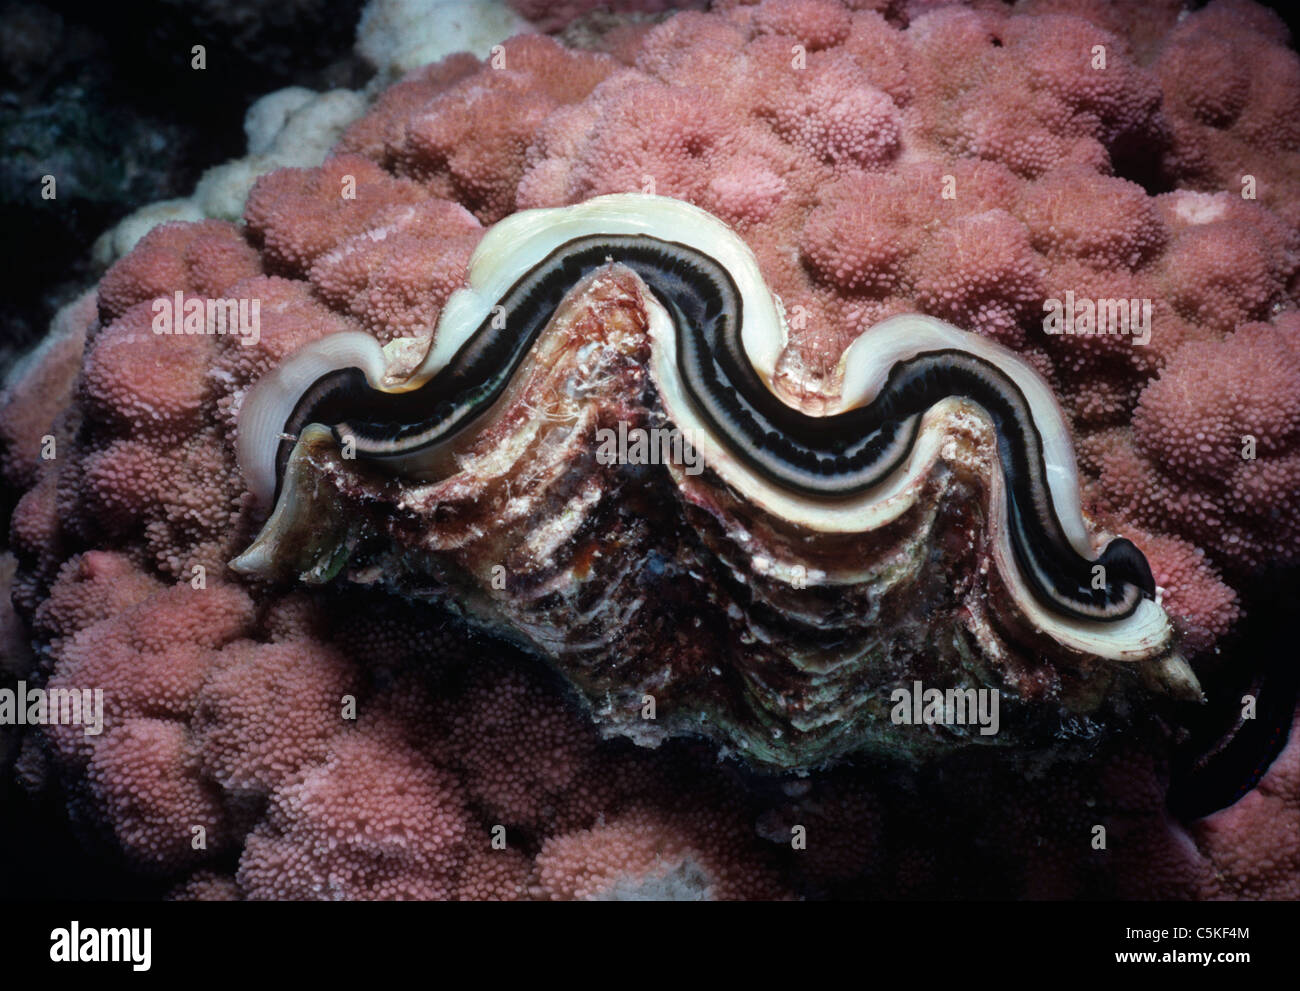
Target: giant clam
x: 924, y: 524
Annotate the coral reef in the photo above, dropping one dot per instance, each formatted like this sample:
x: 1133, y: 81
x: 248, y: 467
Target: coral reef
x: 966, y: 162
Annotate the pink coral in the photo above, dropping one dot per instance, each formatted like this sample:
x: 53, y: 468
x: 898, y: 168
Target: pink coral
x: 549, y: 15
x: 296, y: 215
x: 1225, y: 413
x: 142, y: 774
x: 379, y: 134
x: 290, y: 316
x: 969, y: 162
x: 38, y: 389
x: 469, y: 142
x: 522, y: 760
x: 92, y: 587
x: 204, y: 258
x: 1254, y: 844
x: 860, y: 239
x: 1193, y: 591
x: 373, y: 820
x: 1197, y: 415
x: 817, y: 23
x: 1109, y: 223
x: 139, y: 381
x: 1232, y: 117
x: 152, y: 658
x: 239, y: 722
x: 649, y: 854
x: 395, y: 276
x: 995, y: 286
x: 834, y: 113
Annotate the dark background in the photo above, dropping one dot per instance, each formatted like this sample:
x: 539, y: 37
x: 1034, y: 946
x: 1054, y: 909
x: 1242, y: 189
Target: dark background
x: 102, y: 96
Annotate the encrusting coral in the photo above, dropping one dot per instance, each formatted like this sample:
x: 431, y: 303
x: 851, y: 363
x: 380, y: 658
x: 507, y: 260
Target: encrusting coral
x: 827, y: 134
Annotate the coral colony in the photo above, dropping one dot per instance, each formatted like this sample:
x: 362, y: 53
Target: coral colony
x: 697, y: 429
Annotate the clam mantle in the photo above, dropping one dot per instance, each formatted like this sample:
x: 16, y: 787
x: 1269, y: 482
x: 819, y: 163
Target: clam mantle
x: 922, y: 524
